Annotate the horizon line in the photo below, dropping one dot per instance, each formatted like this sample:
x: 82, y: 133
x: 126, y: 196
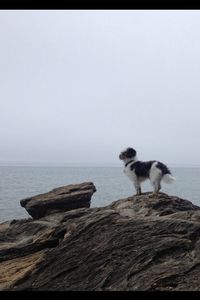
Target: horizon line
x: 77, y: 164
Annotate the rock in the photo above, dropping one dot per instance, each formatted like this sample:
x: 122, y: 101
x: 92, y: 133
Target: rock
x: 60, y: 199
x: 138, y: 243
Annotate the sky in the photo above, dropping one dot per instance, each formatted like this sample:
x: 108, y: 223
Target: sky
x: 79, y: 86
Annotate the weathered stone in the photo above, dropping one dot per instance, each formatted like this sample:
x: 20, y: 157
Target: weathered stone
x: 60, y: 199
x: 139, y: 243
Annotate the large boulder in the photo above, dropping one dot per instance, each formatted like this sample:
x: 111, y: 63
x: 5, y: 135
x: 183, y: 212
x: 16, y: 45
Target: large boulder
x: 60, y: 199
x: 139, y: 243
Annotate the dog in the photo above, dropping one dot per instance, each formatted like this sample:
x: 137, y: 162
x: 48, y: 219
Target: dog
x: 139, y: 171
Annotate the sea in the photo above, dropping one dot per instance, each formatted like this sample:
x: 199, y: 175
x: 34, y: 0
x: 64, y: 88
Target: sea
x: 19, y: 182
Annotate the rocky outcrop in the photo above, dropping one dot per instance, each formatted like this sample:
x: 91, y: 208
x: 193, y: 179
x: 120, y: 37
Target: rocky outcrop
x: 60, y: 199
x: 138, y: 243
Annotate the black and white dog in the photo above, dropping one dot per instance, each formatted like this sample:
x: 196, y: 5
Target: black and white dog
x: 138, y: 171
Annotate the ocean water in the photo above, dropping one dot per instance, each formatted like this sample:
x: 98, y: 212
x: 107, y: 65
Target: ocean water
x: 17, y: 183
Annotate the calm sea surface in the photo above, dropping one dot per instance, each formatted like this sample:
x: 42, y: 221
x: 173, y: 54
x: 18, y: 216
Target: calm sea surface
x: 17, y: 183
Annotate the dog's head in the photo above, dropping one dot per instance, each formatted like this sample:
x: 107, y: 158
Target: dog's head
x: 128, y: 153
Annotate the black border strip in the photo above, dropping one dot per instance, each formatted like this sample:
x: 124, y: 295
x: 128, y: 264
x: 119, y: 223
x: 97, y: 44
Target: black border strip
x: 99, y: 4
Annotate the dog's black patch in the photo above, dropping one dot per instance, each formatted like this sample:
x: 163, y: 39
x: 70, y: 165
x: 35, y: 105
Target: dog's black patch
x: 130, y: 152
x: 163, y: 168
x: 142, y: 169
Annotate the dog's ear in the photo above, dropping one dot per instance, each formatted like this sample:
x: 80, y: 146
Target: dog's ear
x: 130, y: 152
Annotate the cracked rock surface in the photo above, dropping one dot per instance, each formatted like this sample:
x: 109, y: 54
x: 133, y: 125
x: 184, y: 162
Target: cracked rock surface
x: 60, y: 199
x: 138, y: 243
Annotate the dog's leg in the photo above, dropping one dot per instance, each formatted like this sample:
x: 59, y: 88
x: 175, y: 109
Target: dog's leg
x: 155, y: 178
x: 157, y: 187
x: 139, y: 191
x: 137, y: 188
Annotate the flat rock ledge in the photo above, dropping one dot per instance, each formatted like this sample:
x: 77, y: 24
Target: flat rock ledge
x: 139, y: 244
x: 60, y: 199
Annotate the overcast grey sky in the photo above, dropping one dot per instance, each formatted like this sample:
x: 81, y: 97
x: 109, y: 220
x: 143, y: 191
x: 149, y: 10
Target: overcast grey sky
x: 79, y: 86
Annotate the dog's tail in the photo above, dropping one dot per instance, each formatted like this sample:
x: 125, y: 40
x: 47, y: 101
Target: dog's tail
x: 168, y: 178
